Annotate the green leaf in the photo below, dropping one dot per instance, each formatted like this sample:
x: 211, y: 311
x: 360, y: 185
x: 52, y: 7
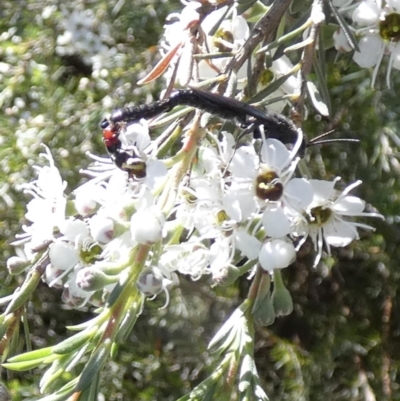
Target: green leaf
x: 244, y: 5
x: 22, y: 366
x: 271, y: 88
x: 94, y: 365
x: 5, y: 322
x: 32, y: 355
x: 71, y: 344
x: 29, y: 285
x: 326, y: 36
x: 129, y: 319
x: 62, y: 394
x: 200, y: 391
x: 91, y: 393
x: 53, y: 373
x: 229, y: 324
x: 344, y: 25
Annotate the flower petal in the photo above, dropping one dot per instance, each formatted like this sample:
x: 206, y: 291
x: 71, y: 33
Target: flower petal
x: 299, y: 193
x: 371, y: 47
x: 340, y: 233
x: 275, y: 154
x: 351, y: 205
x: 275, y: 222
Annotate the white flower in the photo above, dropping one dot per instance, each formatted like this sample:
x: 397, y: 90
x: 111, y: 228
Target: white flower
x: 85, y: 35
x: 74, y: 231
x: 46, y: 211
x: 227, y: 38
x: 63, y: 257
x: 147, y: 225
x: 191, y: 258
x: 379, y: 26
x: 266, y: 186
x: 280, y: 67
x: 327, y: 221
x: 180, y: 43
x: 276, y: 254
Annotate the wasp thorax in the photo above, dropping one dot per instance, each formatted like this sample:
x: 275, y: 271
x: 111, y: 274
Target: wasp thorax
x: 268, y: 186
x: 319, y: 215
x: 389, y: 28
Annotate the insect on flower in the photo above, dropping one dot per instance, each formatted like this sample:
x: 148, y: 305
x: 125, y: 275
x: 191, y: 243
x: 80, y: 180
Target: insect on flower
x: 246, y: 116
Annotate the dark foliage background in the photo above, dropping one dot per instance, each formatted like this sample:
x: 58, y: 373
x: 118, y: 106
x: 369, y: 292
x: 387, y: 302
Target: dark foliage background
x: 342, y: 340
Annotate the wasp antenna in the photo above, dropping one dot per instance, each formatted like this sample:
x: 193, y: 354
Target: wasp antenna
x: 317, y: 138
x: 313, y: 142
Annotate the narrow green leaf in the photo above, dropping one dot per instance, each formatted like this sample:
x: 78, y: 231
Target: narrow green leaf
x: 320, y: 70
x: 91, y: 393
x: 244, y: 5
x: 231, y: 322
x: 209, y: 395
x: 343, y: 24
x: 96, y: 321
x: 78, y: 355
x: 22, y: 366
x: 229, y: 342
x: 272, y: 87
x: 62, y: 394
x: 129, y: 320
x: 53, y: 373
x: 94, y: 365
x: 5, y: 322
x: 201, y: 390
x: 71, y: 344
x: 29, y: 285
x: 39, y: 354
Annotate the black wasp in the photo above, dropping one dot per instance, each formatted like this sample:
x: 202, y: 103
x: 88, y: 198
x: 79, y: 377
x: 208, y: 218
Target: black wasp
x: 274, y: 125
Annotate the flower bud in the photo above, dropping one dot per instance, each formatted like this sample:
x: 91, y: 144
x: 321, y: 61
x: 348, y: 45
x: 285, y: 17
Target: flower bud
x: 147, y: 225
x: 276, y: 254
x: 84, y: 200
x: 281, y: 298
x: 16, y: 265
x: 226, y: 275
x: 70, y: 299
x: 263, y: 310
x: 150, y: 282
x: 93, y: 279
x: 101, y: 229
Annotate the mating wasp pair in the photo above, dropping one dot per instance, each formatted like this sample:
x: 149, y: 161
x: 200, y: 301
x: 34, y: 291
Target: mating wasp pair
x: 246, y: 116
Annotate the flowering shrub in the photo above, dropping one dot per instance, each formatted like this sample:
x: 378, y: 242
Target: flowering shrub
x: 205, y: 197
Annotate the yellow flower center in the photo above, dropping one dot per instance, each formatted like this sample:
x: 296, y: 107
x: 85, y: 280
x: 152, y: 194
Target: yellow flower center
x: 266, y: 77
x: 268, y: 186
x: 90, y: 253
x: 221, y: 39
x: 320, y: 215
x: 389, y: 29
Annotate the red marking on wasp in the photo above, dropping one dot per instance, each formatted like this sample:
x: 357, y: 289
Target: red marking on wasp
x: 110, y: 136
